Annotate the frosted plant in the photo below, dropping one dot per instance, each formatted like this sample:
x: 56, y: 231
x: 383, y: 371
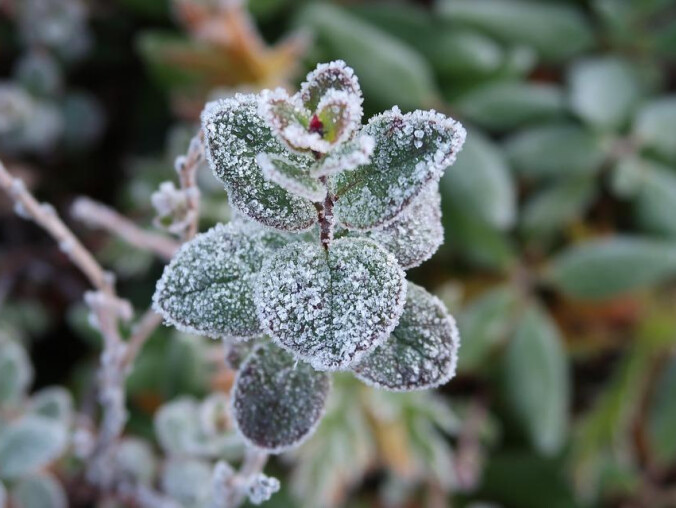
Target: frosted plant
x: 311, y: 271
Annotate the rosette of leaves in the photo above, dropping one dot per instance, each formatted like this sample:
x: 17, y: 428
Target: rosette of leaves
x: 330, y: 214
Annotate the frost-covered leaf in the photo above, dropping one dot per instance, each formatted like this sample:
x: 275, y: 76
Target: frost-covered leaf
x: 294, y: 178
x: 346, y: 157
x: 235, y: 133
x: 278, y: 400
x: 340, y: 115
x: 416, y: 234
x: 135, y: 460
x: 55, y: 403
x: 421, y: 352
x: 283, y: 114
x: 330, y: 307
x: 412, y: 150
x: 654, y: 126
x: 3, y: 496
x: 188, y: 481
x: 39, y: 491
x: 206, y: 289
x: 16, y: 372
x: 28, y: 444
x: 329, y: 76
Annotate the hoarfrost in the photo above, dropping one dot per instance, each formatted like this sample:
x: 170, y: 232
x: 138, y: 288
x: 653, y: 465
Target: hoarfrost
x: 416, y: 234
x: 375, y: 194
x: 206, y: 289
x: 292, y: 177
x: 340, y: 114
x: 330, y: 307
x: 334, y: 75
x: 347, y: 157
x: 278, y: 401
x: 262, y: 488
x: 235, y: 134
x: 421, y: 352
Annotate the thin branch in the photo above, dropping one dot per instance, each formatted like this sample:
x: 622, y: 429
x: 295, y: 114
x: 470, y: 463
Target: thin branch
x: 187, y: 167
x: 45, y: 216
x: 100, y: 216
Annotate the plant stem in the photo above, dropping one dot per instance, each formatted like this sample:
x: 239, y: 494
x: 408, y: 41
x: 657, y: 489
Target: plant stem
x: 325, y: 217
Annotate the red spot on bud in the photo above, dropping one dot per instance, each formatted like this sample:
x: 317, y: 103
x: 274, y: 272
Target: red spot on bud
x: 316, y: 125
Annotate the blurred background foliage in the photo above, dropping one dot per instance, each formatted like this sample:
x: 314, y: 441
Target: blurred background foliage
x: 560, y: 219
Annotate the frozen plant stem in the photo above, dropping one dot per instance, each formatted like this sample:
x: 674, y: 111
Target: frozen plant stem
x: 325, y: 217
x: 98, y: 215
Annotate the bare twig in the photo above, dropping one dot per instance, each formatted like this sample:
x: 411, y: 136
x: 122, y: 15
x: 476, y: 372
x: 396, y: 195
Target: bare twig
x: 101, y: 216
x: 46, y: 217
x: 187, y: 167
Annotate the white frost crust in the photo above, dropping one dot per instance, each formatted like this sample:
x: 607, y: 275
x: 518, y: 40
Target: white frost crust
x: 230, y: 157
x: 333, y: 75
x: 306, y: 186
x: 445, y: 376
x: 416, y: 130
x: 279, y: 449
x: 330, y: 331
x: 345, y: 108
x: 346, y: 158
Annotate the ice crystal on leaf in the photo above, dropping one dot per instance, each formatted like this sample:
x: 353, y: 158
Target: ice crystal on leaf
x: 411, y: 151
x: 235, y: 134
x: 207, y: 289
x: 330, y: 307
x: 363, y: 204
x: 422, y: 350
x: 277, y: 400
x: 416, y: 234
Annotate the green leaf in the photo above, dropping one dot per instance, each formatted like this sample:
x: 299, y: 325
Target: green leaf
x: 536, y: 381
x: 412, y: 150
x: 55, y: 403
x: 473, y: 54
x: 480, y: 182
x: 654, y: 126
x: 330, y: 307
x: 39, y: 491
x: 206, y: 289
x: 16, y: 373
x: 556, y: 150
x: 655, y: 198
x: 555, y: 31
x: 505, y: 105
x: 555, y: 206
x: 662, y: 417
x: 485, y: 324
x: 604, y: 91
x: 30, y: 443
x: 188, y: 481
x: 605, y: 268
x: 390, y: 72
x: 416, y: 234
x: 292, y: 177
x: 477, y: 241
x: 421, y: 352
x: 234, y: 135
x: 277, y: 400
x: 135, y: 460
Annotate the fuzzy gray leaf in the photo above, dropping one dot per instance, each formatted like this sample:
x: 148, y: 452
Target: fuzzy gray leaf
x: 411, y: 151
x: 39, y: 491
x: 206, y: 289
x: 422, y: 350
x: 16, y: 372
x: 235, y: 134
x: 331, y: 307
x: 277, y: 400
